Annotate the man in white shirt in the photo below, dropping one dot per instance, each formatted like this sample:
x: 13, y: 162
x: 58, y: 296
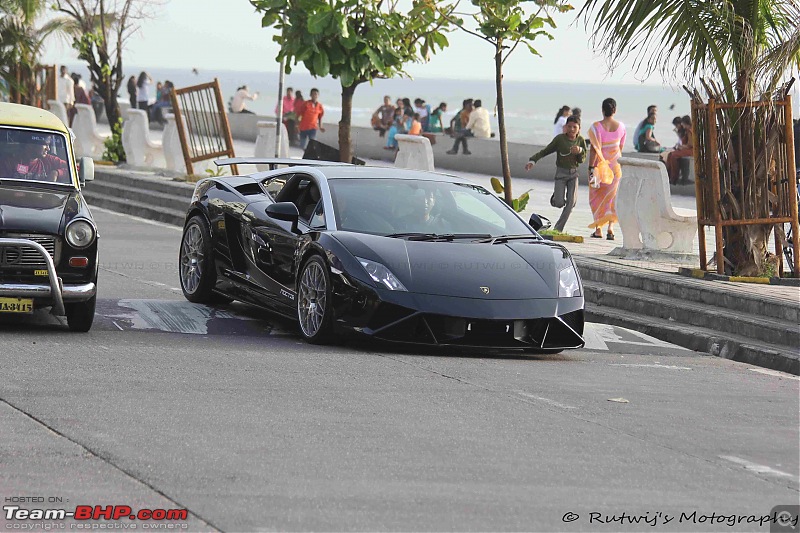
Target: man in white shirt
x: 242, y: 94
x: 66, y: 89
x: 479, y: 125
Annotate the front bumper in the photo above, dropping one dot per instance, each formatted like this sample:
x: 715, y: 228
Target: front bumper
x: 54, y: 291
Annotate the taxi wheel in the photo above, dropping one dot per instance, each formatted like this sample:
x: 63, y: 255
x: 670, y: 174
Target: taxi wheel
x: 80, y: 315
x: 196, y: 263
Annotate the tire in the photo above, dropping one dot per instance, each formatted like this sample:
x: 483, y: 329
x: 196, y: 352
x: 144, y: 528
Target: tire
x: 314, y: 293
x: 196, y: 267
x: 80, y: 315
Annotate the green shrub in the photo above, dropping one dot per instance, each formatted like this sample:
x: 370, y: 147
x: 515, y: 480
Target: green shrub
x: 114, y: 151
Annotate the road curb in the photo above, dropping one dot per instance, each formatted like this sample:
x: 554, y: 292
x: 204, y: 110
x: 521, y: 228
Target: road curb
x: 699, y: 339
x: 698, y: 273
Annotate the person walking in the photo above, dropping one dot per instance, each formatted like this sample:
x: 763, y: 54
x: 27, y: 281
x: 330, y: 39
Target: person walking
x: 294, y: 133
x: 570, y: 150
x: 66, y: 89
x: 607, y: 137
x: 311, y: 118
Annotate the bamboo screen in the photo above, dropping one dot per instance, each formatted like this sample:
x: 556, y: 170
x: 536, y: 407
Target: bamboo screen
x: 202, y: 124
x: 745, y: 169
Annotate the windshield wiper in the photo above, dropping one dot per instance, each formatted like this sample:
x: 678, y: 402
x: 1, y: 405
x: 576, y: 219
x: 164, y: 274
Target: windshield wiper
x: 506, y: 238
x: 411, y: 236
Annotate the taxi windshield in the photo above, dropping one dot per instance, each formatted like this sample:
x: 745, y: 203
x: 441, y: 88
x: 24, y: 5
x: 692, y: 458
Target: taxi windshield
x: 34, y: 155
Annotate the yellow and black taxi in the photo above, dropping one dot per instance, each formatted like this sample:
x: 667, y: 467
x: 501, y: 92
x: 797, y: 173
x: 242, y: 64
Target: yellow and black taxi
x: 48, y: 239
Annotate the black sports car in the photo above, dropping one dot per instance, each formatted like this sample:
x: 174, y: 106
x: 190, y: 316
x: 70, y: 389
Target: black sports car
x: 48, y: 239
x: 396, y: 254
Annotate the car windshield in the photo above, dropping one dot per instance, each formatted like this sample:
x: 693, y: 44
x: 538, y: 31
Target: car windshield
x: 404, y: 208
x: 34, y: 155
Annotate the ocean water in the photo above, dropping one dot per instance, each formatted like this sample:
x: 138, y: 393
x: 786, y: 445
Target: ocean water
x: 530, y: 107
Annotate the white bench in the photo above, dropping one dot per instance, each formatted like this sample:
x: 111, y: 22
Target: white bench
x: 171, y: 141
x: 415, y: 152
x: 139, y: 149
x: 265, y: 142
x: 645, y: 213
x: 59, y: 110
x: 88, y: 140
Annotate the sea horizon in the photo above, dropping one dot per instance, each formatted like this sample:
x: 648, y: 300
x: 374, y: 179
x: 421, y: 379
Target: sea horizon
x: 530, y: 106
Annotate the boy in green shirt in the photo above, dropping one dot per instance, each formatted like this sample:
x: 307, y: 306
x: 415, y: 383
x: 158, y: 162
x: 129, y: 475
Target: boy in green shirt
x: 570, y: 150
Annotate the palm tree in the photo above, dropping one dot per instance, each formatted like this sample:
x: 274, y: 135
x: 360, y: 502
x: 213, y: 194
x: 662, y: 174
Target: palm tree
x: 22, y: 43
x: 739, y: 50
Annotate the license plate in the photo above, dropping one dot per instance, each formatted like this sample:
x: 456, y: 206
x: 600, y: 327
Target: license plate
x: 40, y: 272
x: 16, y: 305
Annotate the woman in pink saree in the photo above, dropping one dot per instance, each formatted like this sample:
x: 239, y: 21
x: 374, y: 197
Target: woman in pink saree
x: 607, y: 138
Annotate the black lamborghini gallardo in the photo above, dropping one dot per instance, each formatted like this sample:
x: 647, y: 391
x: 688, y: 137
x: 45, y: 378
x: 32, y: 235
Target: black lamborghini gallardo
x: 399, y: 255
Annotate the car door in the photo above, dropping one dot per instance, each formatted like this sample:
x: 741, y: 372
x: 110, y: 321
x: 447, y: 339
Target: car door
x: 277, y: 242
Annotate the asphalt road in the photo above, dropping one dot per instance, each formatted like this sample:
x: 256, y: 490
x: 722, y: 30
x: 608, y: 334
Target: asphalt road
x: 229, y: 414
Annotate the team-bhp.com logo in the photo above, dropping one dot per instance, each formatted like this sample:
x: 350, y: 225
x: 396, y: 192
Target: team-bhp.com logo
x: 94, y: 512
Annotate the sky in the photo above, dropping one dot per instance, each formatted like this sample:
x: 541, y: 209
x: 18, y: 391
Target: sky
x: 227, y: 34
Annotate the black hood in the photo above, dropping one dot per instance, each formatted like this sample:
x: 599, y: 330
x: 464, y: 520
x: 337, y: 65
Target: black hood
x: 511, y: 271
x: 37, y: 209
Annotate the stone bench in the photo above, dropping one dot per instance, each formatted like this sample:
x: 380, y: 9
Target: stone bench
x: 415, y: 152
x: 139, y: 149
x: 59, y: 110
x: 265, y: 142
x: 644, y: 208
x: 88, y: 140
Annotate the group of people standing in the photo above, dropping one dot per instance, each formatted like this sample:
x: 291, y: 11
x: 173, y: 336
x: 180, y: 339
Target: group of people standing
x: 302, y: 118
x: 71, y: 90
x: 606, y: 139
x: 389, y: 120
x: 140, y: 93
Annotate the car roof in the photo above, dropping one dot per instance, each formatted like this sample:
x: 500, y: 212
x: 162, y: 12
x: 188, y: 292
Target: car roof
x: 367, y: 172
x: 29, y: 117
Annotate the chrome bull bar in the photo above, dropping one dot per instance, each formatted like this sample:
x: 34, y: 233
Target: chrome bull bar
x: 16, y: 289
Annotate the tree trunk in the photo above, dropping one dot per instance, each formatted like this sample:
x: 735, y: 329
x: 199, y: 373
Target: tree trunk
x: 501, y: 122
x: 106, y: 89
x: 345, y: 145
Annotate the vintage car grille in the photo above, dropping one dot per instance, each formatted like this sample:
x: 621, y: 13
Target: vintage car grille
x: 23, y: 256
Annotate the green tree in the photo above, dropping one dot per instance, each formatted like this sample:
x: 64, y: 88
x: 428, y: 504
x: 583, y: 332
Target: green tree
x: 354, y: 41
x: 743, y: 47
x: 22, y: 38
x: 505, y: 24
x: 101, y: 29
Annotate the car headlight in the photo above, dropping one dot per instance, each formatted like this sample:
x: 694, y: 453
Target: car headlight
x: 568, y: 284
x: 381, y: 275
x: 80, y: 234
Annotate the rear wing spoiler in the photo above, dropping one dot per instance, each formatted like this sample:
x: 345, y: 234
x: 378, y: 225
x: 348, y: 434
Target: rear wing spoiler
x: 274, y: 162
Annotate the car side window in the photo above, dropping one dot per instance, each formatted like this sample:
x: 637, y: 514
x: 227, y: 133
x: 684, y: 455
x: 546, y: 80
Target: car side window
x: 317, y: 220
x: 275, y: 185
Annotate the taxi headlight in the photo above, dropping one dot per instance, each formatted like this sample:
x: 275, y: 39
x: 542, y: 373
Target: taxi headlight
x: 568, y: 284
x: 381, y: 275
x: 80, y: 234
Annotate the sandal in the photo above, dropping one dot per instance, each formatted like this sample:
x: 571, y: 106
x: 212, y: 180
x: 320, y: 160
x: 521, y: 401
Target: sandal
x: 596, y: 236
x: 610, y: 236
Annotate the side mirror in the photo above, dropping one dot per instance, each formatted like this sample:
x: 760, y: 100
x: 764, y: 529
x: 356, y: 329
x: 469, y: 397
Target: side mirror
x: 538, y: 222
x: 284, y: 211
x: 86, y: 170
